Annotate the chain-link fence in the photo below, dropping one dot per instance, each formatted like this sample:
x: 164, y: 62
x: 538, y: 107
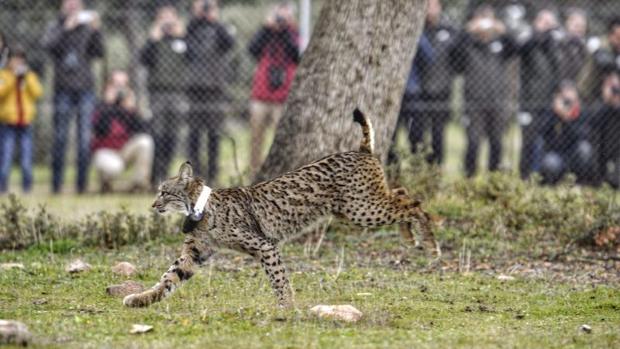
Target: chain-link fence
x: 149, y: 83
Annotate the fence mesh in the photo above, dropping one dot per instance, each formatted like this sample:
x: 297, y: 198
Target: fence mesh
x: 122, y: 91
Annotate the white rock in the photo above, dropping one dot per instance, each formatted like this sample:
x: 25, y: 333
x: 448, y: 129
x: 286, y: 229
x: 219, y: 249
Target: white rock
x: 337, y: 312
x: 7, y: 266
x: 503, y: 277
x: 77, y: 266
x: 124, y: 268
x: 140, y: 328
x: 585, y: 328
x: 14, y: 332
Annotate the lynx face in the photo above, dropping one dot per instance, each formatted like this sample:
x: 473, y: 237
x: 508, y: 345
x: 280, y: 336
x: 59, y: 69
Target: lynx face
x: 172, y: 193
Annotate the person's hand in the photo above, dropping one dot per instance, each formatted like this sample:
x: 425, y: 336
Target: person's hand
x: 177, y: 29
x: 71, y: 22
x: 156, y: 32
x: 20, y: 70
x: 213, y: 15
x: 499, y: 28
x: 109, y: 95
x: 270, y: 21
x: 129, y: 101
x: 95, y: 23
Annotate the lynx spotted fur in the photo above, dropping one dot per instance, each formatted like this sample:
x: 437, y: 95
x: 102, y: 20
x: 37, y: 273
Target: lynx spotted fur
x: 255, y: 219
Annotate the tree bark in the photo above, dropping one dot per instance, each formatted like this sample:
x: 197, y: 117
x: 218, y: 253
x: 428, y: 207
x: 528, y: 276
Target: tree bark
x: 359, y: 55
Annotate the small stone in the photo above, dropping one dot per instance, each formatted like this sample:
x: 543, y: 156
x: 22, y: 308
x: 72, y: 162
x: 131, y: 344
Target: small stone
x: 77, y: 266
x: 346, y: 312
x: 8, y: 266
x: 503, y: 277
x: 124, y: 268
x: 126, y: 288
x: 585, y: 328
x: 14, y: 332
x: 39, y: 301
x: 140, y: 328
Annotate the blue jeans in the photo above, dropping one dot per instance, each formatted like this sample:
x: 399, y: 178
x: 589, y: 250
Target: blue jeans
x: 65, y: 103
x: 8, y: 135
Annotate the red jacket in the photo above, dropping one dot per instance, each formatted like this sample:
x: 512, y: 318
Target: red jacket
x: 277, y: 53
x: 113, y: 126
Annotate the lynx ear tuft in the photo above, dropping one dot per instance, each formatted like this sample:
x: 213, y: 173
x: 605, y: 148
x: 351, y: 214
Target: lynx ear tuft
x: 186, y: 171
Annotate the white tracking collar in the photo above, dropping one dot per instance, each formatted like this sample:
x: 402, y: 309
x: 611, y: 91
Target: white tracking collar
x: 202, y: 200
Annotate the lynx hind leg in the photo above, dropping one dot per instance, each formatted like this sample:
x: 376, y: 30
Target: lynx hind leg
x: 406, y: 228
x: 415, y: 215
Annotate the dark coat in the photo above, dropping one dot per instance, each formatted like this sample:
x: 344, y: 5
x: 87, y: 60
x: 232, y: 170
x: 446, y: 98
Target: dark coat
x: 438, y: 76
x: 72, y: 52
x: 540, y: 70
x: 165, y: 61
x: 605, y: 133
x: 561, y: 136
x: 208, y: 44
x: 484, y: 66
x: 277, y: 54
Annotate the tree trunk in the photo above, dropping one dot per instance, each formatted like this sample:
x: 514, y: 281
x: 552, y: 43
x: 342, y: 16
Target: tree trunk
x: 359, y: 56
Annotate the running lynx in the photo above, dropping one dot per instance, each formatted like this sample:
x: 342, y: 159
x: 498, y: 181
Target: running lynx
x: 255, y: 219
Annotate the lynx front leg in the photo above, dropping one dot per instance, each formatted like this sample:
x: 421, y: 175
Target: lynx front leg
x: 194, y: 252
x: 270, y: 260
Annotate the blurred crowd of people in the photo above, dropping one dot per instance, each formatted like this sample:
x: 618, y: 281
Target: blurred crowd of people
x: 187, y: 69
x: 568, y: 87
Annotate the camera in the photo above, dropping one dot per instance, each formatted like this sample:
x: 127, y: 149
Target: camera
x: 567, y: 102
x: 85, y: 17
x: 120, y: 96
x: 280, y: 21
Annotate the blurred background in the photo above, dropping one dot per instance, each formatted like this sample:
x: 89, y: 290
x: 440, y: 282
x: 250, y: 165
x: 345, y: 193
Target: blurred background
x: 111, y: 96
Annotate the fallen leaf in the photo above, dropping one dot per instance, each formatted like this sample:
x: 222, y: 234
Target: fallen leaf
x: 126, y: 288
x: 124, y: 268
x: 77, y: 266
x: 140, y: 328
x: 346, y: 312
x: 14, y: 332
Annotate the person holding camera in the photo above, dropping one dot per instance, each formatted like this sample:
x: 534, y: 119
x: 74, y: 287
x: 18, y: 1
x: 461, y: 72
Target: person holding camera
x: 564, y: 131
x: 540, y: 73
x: 19, y: 91
x: 73, y: 41
x: 605, y: 127
x: 208, y: 46
x: 605, y: 61
x: 436, y: 78
x: 482, y: 54
x: 276, y: 49
x: 119, y: 138
x: 164, y: 57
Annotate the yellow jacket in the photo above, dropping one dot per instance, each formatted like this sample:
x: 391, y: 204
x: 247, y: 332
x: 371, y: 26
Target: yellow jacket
x: 18, y: 105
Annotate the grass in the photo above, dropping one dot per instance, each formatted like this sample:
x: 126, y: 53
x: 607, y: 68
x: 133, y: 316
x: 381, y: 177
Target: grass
x: 230, y: 304
x: 490, y: 225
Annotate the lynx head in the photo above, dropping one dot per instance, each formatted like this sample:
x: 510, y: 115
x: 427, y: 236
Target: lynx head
x: 174, y: 193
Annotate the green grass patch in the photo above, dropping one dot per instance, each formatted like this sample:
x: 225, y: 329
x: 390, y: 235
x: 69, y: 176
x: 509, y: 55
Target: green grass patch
x: 230, y: 305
